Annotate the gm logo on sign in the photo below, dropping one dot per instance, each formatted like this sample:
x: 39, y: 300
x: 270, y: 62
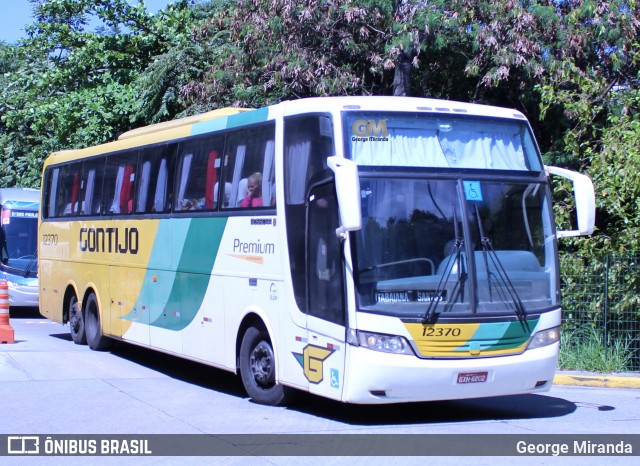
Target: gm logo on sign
x: 370, y: 130
x: 23, y: 445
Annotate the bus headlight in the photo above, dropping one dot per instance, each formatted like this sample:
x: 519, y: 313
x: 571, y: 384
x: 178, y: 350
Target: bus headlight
x: 386, y: 343
x: 544, y: 338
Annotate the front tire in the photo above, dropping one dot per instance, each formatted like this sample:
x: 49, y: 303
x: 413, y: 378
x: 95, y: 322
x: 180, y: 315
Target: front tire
x: 97, y: 341
x: 76, y: 322
x: 258, y: 368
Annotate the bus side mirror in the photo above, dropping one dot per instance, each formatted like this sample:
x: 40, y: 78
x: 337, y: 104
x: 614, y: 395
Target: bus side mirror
x: 348, y: 192
x: 585, y: 201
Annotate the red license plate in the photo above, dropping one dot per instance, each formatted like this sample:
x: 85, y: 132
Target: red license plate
x: 472, y: 377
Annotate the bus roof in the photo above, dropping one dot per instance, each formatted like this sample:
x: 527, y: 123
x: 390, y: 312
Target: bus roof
x: 19, y: 194
x: 399, y: 104
x: 159, y: 132
x: 181, y: 122
x: 234, y: 117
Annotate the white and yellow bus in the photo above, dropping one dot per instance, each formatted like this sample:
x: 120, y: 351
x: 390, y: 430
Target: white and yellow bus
x: 19, y: 245
x: 365, y: 249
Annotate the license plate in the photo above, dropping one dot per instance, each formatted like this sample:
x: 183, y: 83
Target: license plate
x: 472, y: 377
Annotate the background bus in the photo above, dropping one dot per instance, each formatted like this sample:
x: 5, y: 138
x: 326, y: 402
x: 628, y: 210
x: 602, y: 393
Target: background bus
x: 19, y: 244
x: 365, y: 249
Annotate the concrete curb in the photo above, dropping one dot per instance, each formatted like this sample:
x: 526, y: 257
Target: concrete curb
x: 597, y: 380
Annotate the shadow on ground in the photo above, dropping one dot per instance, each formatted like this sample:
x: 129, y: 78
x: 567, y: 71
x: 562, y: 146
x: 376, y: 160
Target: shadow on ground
x: 483, y: 409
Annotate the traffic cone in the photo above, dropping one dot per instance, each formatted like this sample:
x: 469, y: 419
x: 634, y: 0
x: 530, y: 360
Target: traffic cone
x: 6, y: 331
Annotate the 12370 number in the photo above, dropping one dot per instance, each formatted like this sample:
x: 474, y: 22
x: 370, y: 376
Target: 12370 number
x: 441, y: 332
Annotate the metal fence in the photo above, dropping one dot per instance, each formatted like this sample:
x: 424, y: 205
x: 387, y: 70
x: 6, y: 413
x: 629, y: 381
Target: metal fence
x: 602, y: 298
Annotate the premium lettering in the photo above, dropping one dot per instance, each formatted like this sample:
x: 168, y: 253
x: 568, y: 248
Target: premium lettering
x: 253, y: 248
x: 109, y: 240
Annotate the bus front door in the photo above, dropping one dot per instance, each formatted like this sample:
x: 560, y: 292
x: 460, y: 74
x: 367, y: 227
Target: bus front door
x: 324, y: 357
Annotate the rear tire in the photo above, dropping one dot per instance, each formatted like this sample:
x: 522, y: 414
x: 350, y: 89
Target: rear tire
x: 258, y: 368
x: 97, y: 341
x: 76, y: 322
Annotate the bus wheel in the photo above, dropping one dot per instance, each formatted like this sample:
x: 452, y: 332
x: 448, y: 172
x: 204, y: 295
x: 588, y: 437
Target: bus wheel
x: 76, y: 322
x: 257, y: 368
x: 97, y: 341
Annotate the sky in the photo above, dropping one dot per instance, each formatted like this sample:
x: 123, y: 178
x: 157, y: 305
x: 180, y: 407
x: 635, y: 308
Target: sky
x: 15, y: 14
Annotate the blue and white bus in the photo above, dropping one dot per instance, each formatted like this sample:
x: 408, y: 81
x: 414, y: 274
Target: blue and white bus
x: 19, y: 244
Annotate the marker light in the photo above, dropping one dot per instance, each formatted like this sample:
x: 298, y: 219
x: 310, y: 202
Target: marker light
x: 545, y: 338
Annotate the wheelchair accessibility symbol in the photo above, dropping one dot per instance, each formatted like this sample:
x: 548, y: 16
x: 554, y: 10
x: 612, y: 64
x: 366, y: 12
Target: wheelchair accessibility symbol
x: 335, y: 378
x: 472, y: 190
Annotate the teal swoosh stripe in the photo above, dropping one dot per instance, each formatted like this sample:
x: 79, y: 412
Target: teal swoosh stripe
x: 194, y: 272
x: 231, y: 121
x: 500, y: 335
x: 184, y: 295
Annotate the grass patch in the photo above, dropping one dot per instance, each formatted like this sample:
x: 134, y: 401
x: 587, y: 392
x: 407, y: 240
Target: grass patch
x: 584, y: 350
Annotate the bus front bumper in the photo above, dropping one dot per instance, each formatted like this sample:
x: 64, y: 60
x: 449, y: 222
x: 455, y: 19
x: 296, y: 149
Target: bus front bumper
x: 378, y: 378
x: 23, y: 295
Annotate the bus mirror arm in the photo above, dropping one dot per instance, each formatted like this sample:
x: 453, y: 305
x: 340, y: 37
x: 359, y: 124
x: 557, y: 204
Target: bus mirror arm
x: 585, y: 201
x: 348, y: 193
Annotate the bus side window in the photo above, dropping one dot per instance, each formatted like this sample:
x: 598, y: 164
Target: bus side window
x: 248, y: 168
x: 198, y: 174
x: 91, y: 189
x: 154, y: 178
x: 51, y: 190
x: 68, y: 190
x: 119, y: 183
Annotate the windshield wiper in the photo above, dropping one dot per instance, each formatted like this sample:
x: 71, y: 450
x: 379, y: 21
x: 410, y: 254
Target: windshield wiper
x: 458, y: 289
x: 28, y: 268
x: 504, y: 287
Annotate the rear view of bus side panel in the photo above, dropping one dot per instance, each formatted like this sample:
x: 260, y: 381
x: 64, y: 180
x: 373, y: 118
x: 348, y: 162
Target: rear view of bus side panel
x: 55, y: 268
x: 64, y: 272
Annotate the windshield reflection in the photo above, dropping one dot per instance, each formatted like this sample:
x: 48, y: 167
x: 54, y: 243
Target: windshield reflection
x: 430, y: 247
x: 18, y: 239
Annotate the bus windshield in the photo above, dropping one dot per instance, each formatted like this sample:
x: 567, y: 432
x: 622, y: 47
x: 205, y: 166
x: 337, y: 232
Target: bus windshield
x: 431, y: 246
x: 18, y: 239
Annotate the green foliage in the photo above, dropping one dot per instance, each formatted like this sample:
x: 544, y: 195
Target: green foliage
x: 600, y: 295
x: 65, y: 86
x: 260, y: 52
x: 584, y: 350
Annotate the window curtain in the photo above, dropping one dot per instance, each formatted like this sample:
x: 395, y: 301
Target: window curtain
x: 406, y: 148
x: 210, y: 179
x: 161, y: 188
x: 115, y: 205
x: 184, y: 177
x: 143, y: 189
x: 298, y: 153
x: 88, y: 192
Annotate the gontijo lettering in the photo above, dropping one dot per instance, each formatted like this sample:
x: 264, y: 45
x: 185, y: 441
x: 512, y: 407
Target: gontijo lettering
x: 116, y: 240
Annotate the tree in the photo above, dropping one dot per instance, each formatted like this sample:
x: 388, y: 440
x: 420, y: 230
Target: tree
x: 76, y: 87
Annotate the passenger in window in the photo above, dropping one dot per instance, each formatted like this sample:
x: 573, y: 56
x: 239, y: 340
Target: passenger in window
x: 190, y: 204
x: 254, y: 194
